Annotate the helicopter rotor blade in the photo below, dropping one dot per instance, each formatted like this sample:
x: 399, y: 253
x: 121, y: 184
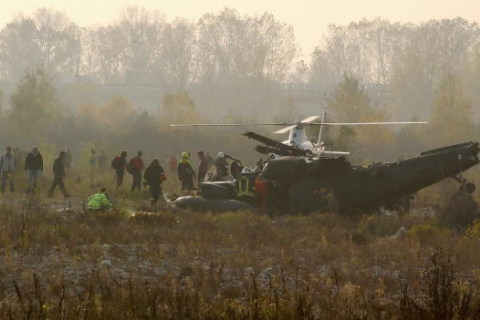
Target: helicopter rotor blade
x: 286, y: 129
x: 364, y: 123
x: 227, y: 124
x: 310, y: 119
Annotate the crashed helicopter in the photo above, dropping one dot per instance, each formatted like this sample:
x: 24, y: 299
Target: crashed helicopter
x: 303, y: 182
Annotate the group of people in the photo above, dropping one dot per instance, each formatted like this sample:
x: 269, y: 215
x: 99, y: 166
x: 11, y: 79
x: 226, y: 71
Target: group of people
x: 222, y: 169
x: 34, y: 169
x: 152, y: 176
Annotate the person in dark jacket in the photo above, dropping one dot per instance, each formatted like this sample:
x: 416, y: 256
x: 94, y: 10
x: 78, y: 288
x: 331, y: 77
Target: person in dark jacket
x: 8, y: 164
x: 202, y: 166
x: 58, y: 176
x: 119, y: 163
x: 135, y: 168
x: 154, y: 177
x: 67, y: 162
x: 34, y: 168
x: 185, y: 171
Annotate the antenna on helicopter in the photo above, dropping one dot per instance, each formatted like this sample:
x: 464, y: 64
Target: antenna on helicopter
x: 319, y: 141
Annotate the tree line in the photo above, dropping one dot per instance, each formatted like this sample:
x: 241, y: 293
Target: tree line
x: 228, y: 60
x: 229, y: 67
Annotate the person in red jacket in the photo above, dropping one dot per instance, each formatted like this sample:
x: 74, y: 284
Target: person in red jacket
x: 135, y: 168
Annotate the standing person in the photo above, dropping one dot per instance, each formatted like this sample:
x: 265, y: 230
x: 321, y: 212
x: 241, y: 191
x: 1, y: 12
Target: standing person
x: 210, y: 160
x: 135, y: 168
x: 67, y: 162
x: 462, y: 209
x: 221, y: 165
x: 119, y: 163
x: 236, y: 168
x: 245, y: 186
x: 185, y: 172
x: 8, y: 165
x: 154, y: 176
x: 58, y: 176
x: 102, y: 160
x: 202, y: 166
x: 172, y: 164
x: 34, y: 168
x: 92, y: 161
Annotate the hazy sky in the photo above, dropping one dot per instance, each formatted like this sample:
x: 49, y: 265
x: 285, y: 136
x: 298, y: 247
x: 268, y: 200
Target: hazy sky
x: 309, y: 17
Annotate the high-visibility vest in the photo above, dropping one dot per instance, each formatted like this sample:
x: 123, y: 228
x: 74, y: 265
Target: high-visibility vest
x: 98, y: 201
x: 245, y: 186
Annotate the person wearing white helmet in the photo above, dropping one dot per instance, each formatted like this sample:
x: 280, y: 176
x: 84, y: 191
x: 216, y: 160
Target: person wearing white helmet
x: 245, y: 186
x: 221, y: 165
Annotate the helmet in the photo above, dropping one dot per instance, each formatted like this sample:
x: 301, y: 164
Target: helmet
x: 221, y: 155
x: 185, y: 155
x: 246, y: 170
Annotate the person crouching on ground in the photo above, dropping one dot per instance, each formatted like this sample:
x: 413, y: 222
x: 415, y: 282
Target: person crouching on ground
x: 154, y: 177
x: 99, y: 201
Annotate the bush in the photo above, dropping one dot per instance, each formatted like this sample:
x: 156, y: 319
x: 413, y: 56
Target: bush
x: 427, y: 233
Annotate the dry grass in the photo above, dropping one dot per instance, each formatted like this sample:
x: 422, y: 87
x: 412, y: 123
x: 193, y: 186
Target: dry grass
x: 60, y: 263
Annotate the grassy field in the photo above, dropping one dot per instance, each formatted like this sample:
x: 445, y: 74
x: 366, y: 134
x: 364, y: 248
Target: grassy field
x: 59, y: 262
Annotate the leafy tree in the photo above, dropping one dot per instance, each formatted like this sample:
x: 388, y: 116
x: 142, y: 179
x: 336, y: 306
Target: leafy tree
x: 34, y: 104
x: 179, y: 108
x: 117, y: 115
x: 452, y: 113
x: 349, y: 103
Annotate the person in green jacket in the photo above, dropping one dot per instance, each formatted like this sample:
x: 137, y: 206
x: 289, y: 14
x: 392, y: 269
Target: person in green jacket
x: 99, y: 201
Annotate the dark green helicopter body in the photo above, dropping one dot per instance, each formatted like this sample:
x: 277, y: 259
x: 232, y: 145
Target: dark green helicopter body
x: 300, y: 184
x: 308, y: 185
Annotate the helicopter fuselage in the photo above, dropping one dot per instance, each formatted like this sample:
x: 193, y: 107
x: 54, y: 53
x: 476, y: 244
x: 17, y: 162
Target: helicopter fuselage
x: 305, y: 185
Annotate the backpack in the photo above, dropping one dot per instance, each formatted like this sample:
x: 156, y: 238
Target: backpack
x: 116, y: 162
x: 131, y: 166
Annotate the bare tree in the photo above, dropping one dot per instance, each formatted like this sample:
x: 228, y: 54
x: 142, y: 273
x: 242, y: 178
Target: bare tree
x: 47, y: 39
x: 129, y: 48
x: 242, y: 59
x: 176, y: 68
